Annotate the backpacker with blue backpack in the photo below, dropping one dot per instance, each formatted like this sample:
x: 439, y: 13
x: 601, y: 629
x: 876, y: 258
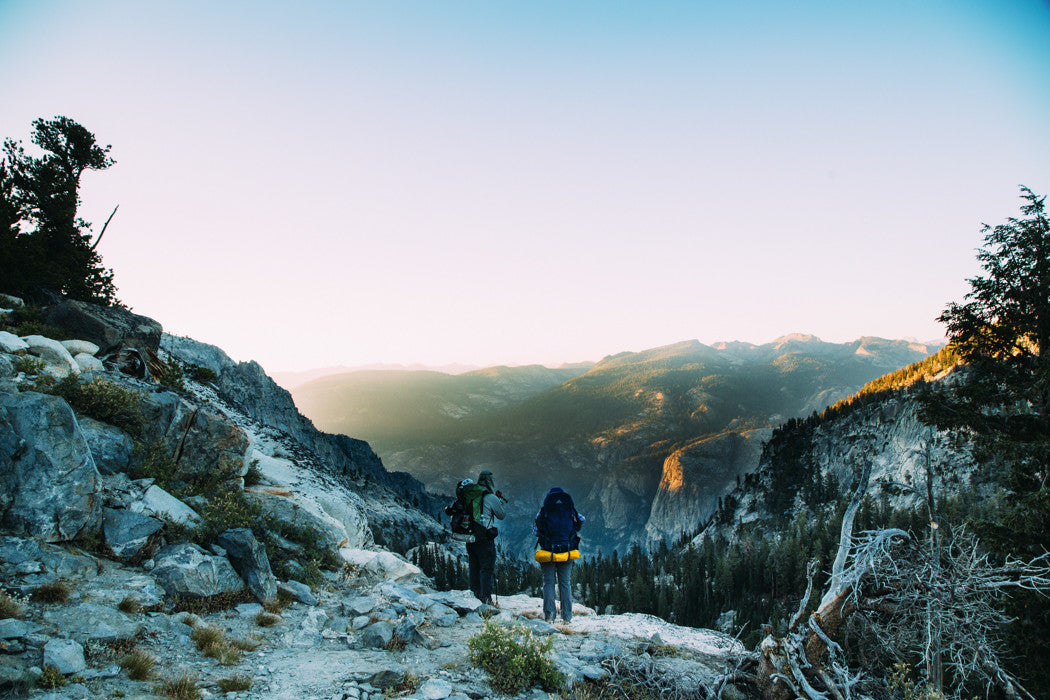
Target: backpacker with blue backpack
x: 557, y: 525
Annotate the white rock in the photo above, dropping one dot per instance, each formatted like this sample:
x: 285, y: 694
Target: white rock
x: 435, y: 689
x: 51, y: 351
x: 65, y: 655
x: 157, y: 501
x: 11, y: 343
x: 75, y: 347
x: 88, y: 363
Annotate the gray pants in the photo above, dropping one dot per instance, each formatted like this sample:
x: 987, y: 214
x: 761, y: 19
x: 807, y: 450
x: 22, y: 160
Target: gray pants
x: 563, y: 571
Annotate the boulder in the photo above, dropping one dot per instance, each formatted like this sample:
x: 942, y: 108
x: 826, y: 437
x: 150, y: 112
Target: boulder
x: 386, y: 564
x: 187, y: 570
x: 292, y: 507
x: 88, y: 363
x: 77, y: 347
x: 248, y: 556
x: 13, y: 628
x: 19, y: 557
x: 108, y: 327
x: 11, y: 343
x: 86, y: 622
x: 200, y: 439
x: 156, y: 501
x: 51, y: 352
x: 110, y: 447
x: 10, y: 302
x: 299, y: 591
x: 65, y: 655
x: 127, y: 533
x: 48, y: 482
x: 377, y: 635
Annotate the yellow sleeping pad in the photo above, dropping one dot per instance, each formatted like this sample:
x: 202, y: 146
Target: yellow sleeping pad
x: 545, y: 557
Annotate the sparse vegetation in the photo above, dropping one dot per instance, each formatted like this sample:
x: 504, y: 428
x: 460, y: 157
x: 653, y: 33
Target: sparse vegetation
x: 201, y: 374
x: 10, y: 606
x: 171, y: 375
x: 514, y: 659
x: 100, y: 399
x: 130, y: 605
x: 211, y: 604
x: 51, y: 678
x: 265, y: 619
x: 212, y: 642
x: 52, y: 593
x: 138, y: 665
x: 30, y: 365
x: 235, y: 683
x: 182, y: 687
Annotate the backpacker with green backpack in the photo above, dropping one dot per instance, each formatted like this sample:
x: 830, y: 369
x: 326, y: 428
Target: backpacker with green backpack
x: 466, y: 512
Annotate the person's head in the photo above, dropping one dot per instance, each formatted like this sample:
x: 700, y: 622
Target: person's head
x: 486, y: 480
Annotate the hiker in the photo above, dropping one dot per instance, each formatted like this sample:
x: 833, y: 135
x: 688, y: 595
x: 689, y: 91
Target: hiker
x: 474, y: 513
x: 558, y: 544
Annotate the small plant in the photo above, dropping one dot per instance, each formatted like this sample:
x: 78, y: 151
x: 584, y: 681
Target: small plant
x: 396, y: 643
x: 903, y: 686
x: 130, y: 605
x: 171, y: 375
x: 235, y: 683
x: 102, y: 400
x: 201, y: 374
x: 253, y: 477
x: 408, y: 685
x: 30, y: 365
x: 10, y: 606
x: 514, y: 659
x: 50, y: 593
x: 212, y: 642
x: 265, y: 619
x: 183, y: 687
x: 211, y: 604
x: 51, y: 678
x: 245, y: 644
x: 138, y: 665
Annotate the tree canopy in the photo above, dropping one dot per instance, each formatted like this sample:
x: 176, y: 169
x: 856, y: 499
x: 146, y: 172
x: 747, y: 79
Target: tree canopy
x: 43, y: 243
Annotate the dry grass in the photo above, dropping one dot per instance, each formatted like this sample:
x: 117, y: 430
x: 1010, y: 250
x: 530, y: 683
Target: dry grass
x: 138, y: 665
x: 235, y: 683
x: 51, y: 678
x: 10, y: 606
x: 51, y: 593
x: 265, y: 619
x: 183, y: 687
x: 130, y: 605
x: 212, y: 642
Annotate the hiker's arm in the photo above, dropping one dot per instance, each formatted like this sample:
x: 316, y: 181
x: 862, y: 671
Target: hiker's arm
x: 495, y: 505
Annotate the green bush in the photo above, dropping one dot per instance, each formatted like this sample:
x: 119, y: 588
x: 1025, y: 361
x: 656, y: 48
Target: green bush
x: 28, y: 364
x: 514, y: 659
x: 51, y: 678
x: 235, y: 683
x: 100, y: 399
x: 201, y: 374
x: 171, y: 375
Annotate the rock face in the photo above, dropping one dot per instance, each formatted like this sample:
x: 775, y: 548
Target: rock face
x: 187, y: 570
x: 49, y: 484
x: 110, y: 447
x: 107, y: 327
x: 697, y: 476
x: 127, y: 533
x: 248, y: 557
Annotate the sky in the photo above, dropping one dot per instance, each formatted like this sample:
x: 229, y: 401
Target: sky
x: 344, y: 183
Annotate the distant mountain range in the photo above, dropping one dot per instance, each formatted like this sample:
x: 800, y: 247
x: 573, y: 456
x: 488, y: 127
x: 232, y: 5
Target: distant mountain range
x: 646, y: 441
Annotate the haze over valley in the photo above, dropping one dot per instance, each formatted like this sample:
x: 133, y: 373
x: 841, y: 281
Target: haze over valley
x: 646, y: 441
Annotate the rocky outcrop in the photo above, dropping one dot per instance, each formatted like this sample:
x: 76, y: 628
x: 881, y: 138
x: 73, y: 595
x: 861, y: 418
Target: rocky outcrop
x: 248, y: 557
x: 49, y: 484
x: 128, y: 533
x: 108, y: 327
x: 697, y: 476
x: 110, y: 447
x: 187, y: 570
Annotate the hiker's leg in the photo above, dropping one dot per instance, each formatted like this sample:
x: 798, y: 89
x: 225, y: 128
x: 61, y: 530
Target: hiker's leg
x: 486, y: 566
x: 474, y: 569
x: 565, y: 589
x: 549, y: 611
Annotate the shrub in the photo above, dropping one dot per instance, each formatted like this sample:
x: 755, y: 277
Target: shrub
x: 102, y: 400
x: 225, y: 511
x: 129, y: 605
x: 10, y: 606
x: 56, y: 592
x: 183, y: 687
x: 253, y: 476
x: 154, y: 461
x: 211, y: 604
x: 28, y: 364
x: 171, y: 375
x: 201, y: 374
x: 235, y: 683
x: 211, y: 641
x: 514, y: 659
x: 51, y: 678
x: 264, y: 619
x: 138, y: 665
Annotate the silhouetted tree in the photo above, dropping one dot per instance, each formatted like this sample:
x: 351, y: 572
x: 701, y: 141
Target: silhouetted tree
x: 44, y: 244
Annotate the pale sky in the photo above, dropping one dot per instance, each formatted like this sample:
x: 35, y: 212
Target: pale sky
x: 341, y: 183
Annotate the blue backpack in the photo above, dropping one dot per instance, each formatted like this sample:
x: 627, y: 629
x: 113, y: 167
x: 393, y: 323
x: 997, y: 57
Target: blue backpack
x: 557, y: 523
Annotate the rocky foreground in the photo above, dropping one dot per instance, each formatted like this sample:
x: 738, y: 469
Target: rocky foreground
x: 162, y: 507
x: 364, y: 633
